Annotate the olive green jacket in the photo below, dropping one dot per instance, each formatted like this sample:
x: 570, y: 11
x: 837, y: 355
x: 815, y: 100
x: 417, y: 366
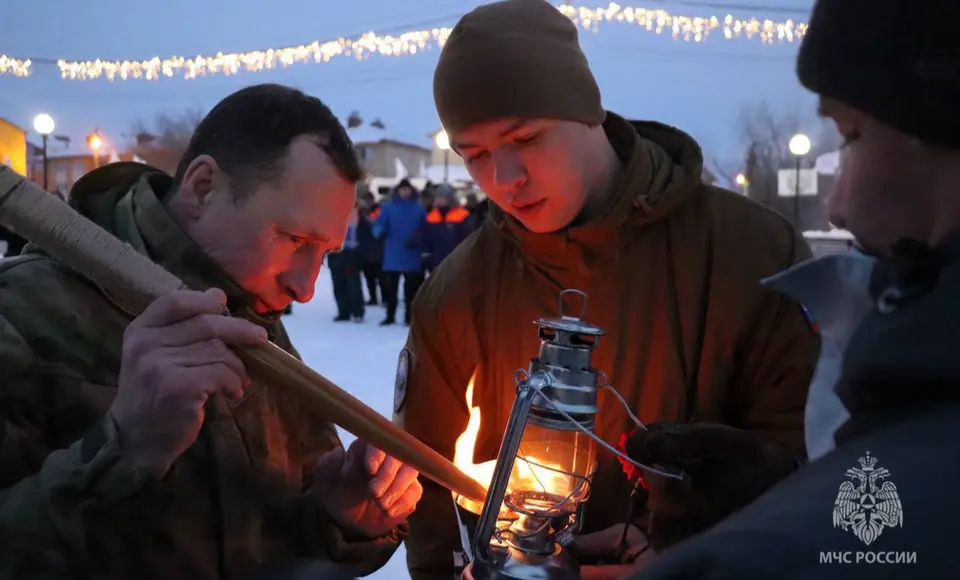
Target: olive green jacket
x: 70, y: 504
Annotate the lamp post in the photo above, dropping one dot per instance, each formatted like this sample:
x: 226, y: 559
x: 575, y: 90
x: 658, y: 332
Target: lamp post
x: 443, y: 143
x: 799, y: 146
x: 44, y: 125
x: 743, y: 183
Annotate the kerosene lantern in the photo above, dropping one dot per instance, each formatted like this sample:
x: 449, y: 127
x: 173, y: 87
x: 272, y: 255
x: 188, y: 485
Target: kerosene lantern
x: 546, y: 461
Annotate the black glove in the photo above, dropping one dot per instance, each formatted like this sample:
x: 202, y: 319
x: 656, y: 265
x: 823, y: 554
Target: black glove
x: 723, y: 470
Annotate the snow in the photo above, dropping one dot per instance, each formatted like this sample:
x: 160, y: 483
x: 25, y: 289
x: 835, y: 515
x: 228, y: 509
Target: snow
x: 360, y: 358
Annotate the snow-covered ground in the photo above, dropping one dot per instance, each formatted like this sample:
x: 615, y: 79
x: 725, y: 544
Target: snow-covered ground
x: 361, y: 358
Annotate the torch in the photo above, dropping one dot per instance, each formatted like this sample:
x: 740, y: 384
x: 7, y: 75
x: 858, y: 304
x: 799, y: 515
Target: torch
x: 546, y: 461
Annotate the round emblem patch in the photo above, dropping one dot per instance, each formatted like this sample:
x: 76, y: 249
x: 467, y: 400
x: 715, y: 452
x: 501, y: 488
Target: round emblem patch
x: 400, y: 386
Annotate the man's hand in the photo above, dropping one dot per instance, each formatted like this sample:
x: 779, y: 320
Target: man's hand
x: 175, y: 355
x: 364, y: 490
x: 724, y: 470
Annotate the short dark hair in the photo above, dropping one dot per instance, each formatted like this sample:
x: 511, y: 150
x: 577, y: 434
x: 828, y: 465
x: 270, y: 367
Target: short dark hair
x: 250, y: 131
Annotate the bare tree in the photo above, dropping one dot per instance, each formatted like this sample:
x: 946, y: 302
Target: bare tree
x: 164, y: 142
x: 766, y: 136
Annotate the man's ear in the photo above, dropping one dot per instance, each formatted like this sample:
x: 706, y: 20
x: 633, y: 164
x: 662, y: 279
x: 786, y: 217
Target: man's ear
x: 199, y: 181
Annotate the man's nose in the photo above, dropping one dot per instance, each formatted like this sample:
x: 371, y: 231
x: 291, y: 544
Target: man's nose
x: 301, y: 280
x: 509, y: 173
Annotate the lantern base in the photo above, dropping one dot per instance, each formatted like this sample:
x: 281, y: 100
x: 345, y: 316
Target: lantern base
x: 517, y: 565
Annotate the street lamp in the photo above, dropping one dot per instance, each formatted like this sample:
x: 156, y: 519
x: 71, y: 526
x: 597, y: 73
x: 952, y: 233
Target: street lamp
x: 95, y: 142
x: 443, y: 143
x: 799, y: 146
x: 44, y: 125
x: 743, y: 183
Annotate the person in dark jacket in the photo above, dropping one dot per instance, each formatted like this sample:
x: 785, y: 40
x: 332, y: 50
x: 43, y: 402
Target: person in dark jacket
x: 447, y: 225
x: 371, y: 247
x: 878, y: 498
x: 345, y: 273
x: 478, y: 210
x: 400, y: 225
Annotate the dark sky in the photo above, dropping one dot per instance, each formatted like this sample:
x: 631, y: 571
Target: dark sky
x: 700, y: 87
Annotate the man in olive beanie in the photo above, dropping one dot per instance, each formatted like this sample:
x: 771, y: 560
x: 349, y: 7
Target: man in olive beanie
x: 877, y: 503
x: 583, y: 198
x: 533, y: 52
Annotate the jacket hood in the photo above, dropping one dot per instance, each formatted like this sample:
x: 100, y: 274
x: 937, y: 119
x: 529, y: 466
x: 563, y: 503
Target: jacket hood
x: 661, y: 167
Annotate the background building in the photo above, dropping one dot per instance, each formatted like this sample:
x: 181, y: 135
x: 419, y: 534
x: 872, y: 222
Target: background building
x: 386, y: 155
x: 64, y: 169
x: 13, y: 146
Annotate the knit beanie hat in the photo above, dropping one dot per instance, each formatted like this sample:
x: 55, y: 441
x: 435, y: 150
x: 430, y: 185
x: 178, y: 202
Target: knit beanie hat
x: 896, y: 60
x: 514, y: 58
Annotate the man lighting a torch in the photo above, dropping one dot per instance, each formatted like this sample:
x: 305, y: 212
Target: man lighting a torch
x: 138, y: 447
x: 586, y: 199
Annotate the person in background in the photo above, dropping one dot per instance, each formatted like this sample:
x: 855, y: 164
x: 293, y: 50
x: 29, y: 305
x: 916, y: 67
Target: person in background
x: 879, y: 501
x: 371, y: 247
x: 426, y: 196
x: 345, y: 274
x: 447, y: 225
x: 478, y: 210
x: 400, y: 225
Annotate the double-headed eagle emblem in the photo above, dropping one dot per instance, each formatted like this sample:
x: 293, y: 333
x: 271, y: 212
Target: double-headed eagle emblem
x: 867, y: 503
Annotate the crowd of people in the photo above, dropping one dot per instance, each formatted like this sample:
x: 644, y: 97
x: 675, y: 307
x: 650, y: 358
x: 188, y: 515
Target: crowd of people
x: 404, y: 236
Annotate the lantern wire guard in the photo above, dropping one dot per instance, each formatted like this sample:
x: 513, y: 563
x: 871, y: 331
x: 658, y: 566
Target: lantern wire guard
x: 547, y: 459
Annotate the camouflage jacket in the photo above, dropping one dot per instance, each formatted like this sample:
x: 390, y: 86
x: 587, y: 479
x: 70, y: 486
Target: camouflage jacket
x: 70, y: 505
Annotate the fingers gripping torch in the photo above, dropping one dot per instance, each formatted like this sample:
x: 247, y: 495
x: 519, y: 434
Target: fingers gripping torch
x: 134, y: 281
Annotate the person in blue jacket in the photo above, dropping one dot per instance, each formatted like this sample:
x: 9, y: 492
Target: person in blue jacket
x: 448, y: 224
x: 400, y: 225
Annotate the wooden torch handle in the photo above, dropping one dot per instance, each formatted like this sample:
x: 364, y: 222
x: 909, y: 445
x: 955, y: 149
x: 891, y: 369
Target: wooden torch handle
x: 134, y: 281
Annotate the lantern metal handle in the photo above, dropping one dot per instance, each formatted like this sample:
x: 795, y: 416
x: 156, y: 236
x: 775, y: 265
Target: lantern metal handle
x: 583, y: 308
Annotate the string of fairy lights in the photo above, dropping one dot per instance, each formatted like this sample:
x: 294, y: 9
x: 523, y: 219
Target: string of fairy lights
x: 657, y: 21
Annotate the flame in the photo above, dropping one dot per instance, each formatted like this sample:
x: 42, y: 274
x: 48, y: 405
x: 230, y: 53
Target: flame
x: 542, y: 477
x: 466, y: 444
